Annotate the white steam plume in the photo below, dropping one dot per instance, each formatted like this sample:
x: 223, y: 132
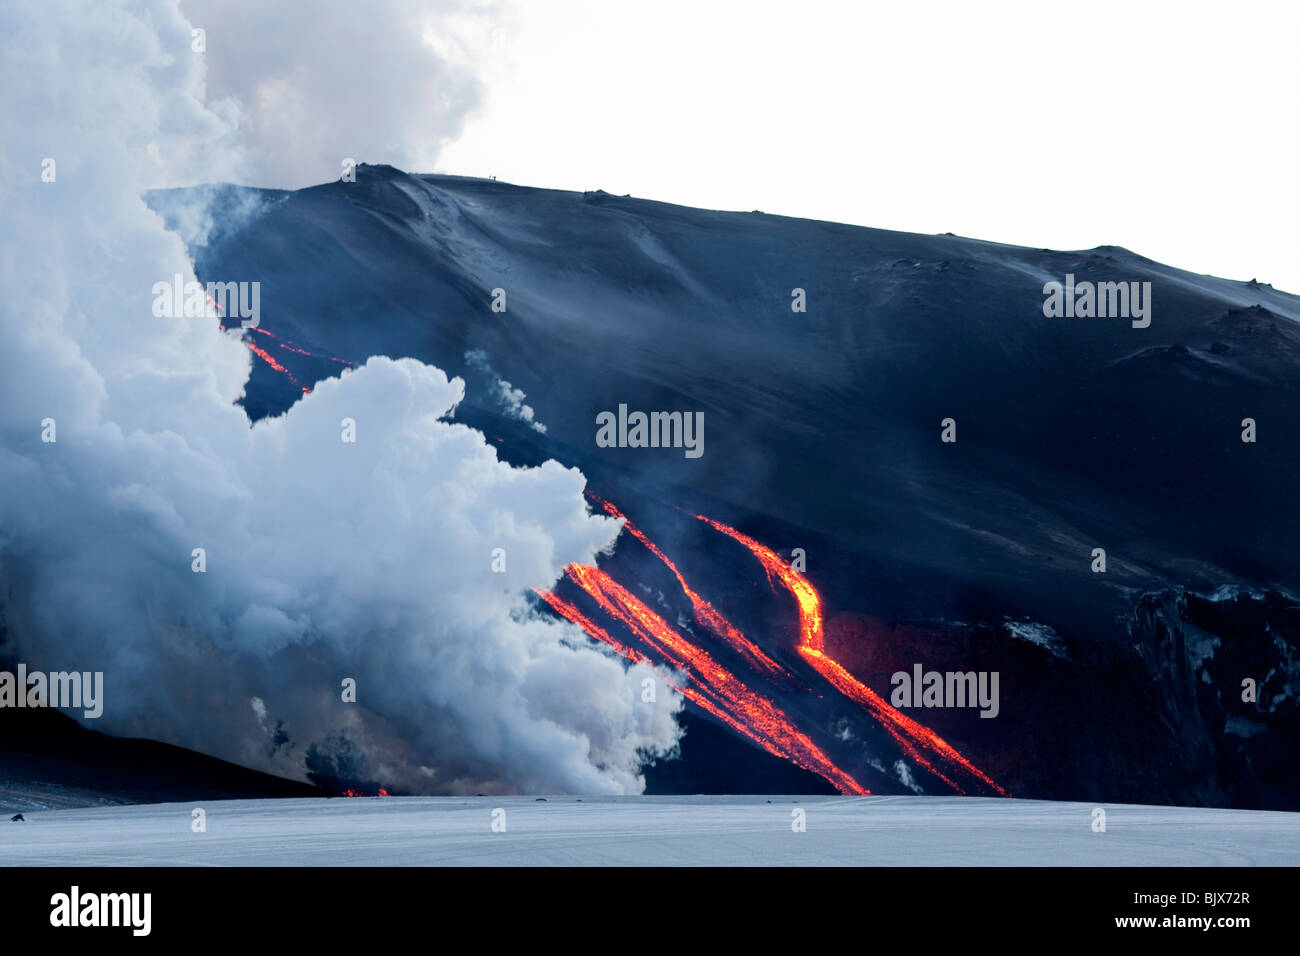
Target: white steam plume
x: 325, y: 559
x: 313, y: 82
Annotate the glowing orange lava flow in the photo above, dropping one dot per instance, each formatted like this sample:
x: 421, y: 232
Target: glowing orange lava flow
x: 264, y: 356
x: 705, y: 613
x: 571, y: 612
x: 291, y: 346
x: 913, y: 737
x: 267, y: 358
x: 717, y: 690
x: 262, y: 353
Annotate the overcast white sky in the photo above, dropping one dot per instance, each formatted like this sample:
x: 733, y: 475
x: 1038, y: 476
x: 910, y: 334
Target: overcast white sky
x: 1168, y: 128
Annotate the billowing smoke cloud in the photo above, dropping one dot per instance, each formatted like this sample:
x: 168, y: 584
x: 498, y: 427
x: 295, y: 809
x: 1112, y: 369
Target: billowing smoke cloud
x: 324, y: 559
x: 310, y: 84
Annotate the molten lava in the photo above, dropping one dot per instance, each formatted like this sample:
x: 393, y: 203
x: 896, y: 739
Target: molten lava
x: 709, y: 684
x: 266, y: 356
x: 705, y: 613
x: 914, y: 738
x: 571, y: 612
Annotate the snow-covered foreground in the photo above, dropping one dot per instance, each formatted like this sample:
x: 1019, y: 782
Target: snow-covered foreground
x: 637, y: 831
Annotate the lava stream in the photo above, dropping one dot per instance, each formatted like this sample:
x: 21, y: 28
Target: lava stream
x: 266, y: 356
x: 567, y: 610
x: 741, y: 708
x: 913, y: 737
x: 705, y: 613
x: 570, y: 611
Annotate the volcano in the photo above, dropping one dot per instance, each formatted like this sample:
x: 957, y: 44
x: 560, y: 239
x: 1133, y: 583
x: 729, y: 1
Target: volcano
x: 905, y: 461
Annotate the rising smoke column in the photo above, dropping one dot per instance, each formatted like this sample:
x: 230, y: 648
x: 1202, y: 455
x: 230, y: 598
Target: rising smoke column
x: 323, y: 560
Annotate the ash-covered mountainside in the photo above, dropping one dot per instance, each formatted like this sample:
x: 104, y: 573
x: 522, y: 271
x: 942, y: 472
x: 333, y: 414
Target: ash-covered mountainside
x: 823, y: 430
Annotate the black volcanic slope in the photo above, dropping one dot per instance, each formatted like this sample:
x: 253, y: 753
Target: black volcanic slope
x: 823, y: 432
x: 48, y: 762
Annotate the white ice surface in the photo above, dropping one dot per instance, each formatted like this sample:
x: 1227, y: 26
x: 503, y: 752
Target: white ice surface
x: 637, y: 831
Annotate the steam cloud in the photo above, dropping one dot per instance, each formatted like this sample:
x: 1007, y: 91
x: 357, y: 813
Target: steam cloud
x: 325, y: 560
x: 508, y: 398
x: 308, y: 84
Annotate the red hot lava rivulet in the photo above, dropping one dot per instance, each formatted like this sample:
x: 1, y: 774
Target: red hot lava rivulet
x: 916, y: 739
x: 715, y: 688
